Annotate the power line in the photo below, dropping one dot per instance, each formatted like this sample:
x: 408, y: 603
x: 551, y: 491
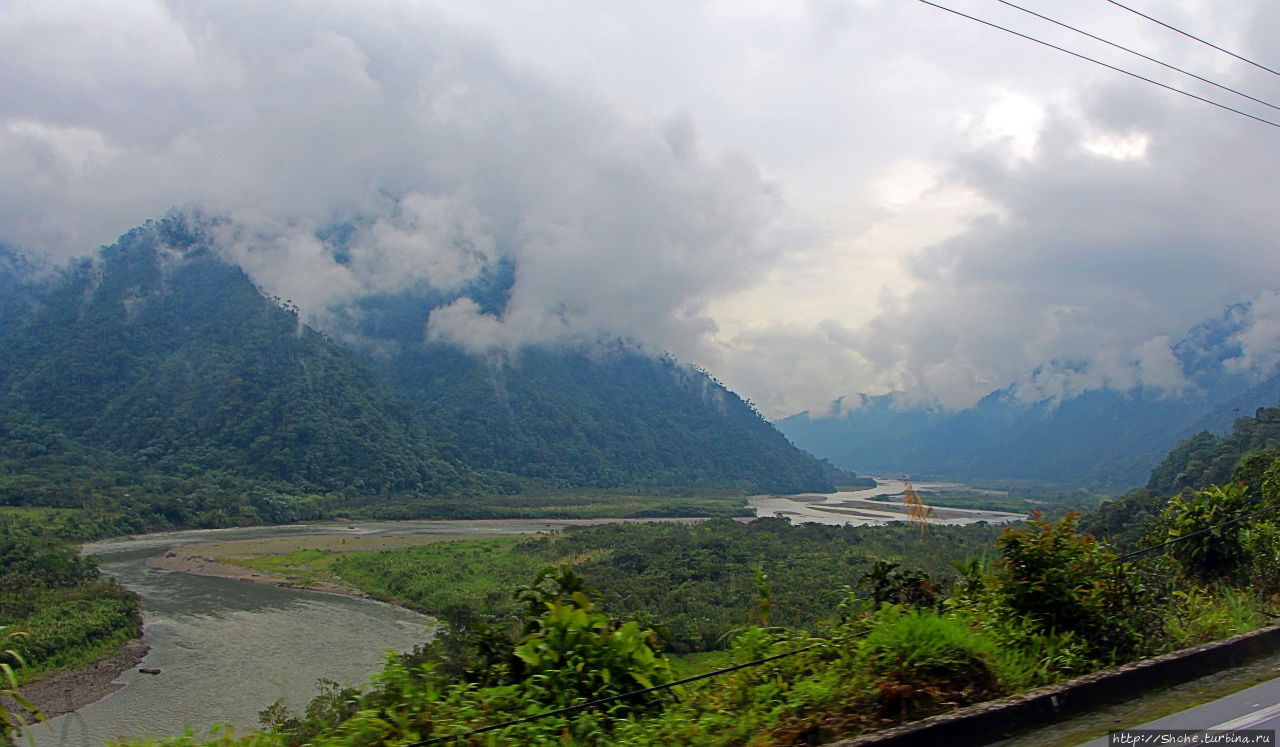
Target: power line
x: 1103, y: 64
x: 1228, y: 522
x: 1192, y: 36
x: 1137, y: 53
x: 603, y: 701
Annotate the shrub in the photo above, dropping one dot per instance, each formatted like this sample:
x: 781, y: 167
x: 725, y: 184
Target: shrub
x: 920, y: 659
x: 1217, y: 553
x: 1064, y: 581
x: 1261, y: 545
x: 572, y: 651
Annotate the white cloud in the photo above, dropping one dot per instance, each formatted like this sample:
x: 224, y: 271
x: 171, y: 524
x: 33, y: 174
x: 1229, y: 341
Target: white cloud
x: 1259, y: 338
x: 811, y: 200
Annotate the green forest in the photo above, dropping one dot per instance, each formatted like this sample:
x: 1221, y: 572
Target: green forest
x: 157, y: 361
x: 696, y: 582
x: 154, y: 387
x: 871, y: 627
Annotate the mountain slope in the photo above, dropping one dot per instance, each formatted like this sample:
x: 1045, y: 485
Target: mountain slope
x: 167, y: 357
x: 1101, y: 437
x: 158, y: 355
x: 605, y: 420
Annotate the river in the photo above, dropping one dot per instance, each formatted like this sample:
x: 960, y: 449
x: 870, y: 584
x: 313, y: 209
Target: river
x: 859, y: 508
x: 228, y: 649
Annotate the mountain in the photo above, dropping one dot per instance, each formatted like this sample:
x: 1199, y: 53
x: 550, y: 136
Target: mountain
x: 602, y: 419
x: 1213, y: 459
x: 168, y: 359
x: 1100, y: 438
x: 159, y: 356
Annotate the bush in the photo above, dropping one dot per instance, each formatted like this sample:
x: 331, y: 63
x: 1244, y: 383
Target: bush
x: 1065, y: 582
x: 1261, y: 545
x: 920, y: 657
x: 1218, y: 552
x: 573, y: 652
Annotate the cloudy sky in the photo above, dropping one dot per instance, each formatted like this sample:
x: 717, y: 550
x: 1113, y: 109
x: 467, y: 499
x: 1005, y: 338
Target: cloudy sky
x: 810, y: 199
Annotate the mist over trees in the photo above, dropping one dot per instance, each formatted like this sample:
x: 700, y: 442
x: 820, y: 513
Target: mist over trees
x: 159, y: 358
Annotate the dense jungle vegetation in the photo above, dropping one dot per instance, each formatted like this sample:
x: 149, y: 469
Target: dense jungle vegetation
x: 157, y: 360
x: 899, y: 643
x: 889, y: 623
x: 697, y: 583
x: 884, y: 639
x: 68, y: 613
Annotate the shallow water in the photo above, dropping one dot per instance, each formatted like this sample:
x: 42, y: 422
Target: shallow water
x: 854, y: 507
x: 228, y: 649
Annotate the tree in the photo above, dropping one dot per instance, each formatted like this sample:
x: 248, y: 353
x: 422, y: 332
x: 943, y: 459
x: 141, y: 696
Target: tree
x: 1209, y: 547
x: 1063, y: 581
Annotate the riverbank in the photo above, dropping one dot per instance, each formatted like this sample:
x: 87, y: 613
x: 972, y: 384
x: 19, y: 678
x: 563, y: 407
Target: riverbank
x: 64, y: 692
x: 283, y: 561
x: 196, y: 561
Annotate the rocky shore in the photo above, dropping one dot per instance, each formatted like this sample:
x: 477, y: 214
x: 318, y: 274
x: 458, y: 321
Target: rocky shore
x: 65, y: 692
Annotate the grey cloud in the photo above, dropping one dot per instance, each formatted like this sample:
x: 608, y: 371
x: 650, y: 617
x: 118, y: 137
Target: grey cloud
x: 1258, y: 338
x: 1093, y: 261
x: 285, y: 117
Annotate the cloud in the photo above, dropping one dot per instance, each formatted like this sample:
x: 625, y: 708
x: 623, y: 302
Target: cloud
x: 1258, y: 338
x: 288, y: 118
x: 1123, y: 222
x: 811, y: 200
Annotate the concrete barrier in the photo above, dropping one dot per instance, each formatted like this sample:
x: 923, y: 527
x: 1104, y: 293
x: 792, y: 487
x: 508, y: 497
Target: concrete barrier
x: 997, y: 719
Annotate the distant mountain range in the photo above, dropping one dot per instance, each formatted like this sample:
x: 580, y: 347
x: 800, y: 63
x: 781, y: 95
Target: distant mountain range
x: 158, y: 355
x: 1099, y: 438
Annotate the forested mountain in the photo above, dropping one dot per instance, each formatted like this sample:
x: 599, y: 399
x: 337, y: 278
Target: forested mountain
x: 579, y: 419
x: 159, y: 356
x: 599, y: 416
x: 1102, y: 437
x: 1211, y: 459
x: 167, y: 358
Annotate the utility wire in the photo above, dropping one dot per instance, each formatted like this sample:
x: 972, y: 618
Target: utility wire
x: 759, y: 661
x: 1137, y: 53
x: 1228, y: 522
x: 1099, y: 62
x: 1192, y: 36
x: 603, y: 701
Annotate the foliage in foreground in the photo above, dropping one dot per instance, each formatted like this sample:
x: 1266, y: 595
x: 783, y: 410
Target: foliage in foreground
x: 1053, y: 605
x: 71, y: 614
x: 697, y: 580
x: 10, y: 658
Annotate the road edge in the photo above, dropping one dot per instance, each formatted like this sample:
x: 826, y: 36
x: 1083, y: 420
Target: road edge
x: 999, y: 719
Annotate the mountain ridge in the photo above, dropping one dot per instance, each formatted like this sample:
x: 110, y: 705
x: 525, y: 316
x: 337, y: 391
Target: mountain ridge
x: 158, y: 354
x: 1098, y: 437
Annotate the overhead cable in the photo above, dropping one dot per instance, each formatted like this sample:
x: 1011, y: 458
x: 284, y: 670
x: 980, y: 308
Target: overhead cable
x: 1103, y: 64
x: 611, y: 699
x: 1137, y: 53
x: 1192, y: 36
x: 1228, y: 522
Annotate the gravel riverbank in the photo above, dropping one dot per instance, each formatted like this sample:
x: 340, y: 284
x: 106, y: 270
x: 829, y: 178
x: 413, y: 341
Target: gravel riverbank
x: 64, y: 692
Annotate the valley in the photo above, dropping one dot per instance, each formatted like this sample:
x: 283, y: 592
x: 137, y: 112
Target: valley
x: 534, y: 529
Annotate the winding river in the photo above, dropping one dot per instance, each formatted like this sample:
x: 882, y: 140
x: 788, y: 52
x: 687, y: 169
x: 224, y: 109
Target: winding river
x: 228, y: 649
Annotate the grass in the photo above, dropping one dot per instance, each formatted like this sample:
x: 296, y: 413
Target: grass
x: 300, y: 566
x: 570, y: 504
x: 699, y: 662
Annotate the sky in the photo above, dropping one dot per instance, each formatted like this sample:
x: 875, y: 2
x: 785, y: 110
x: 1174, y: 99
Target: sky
x: 811, y: 200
